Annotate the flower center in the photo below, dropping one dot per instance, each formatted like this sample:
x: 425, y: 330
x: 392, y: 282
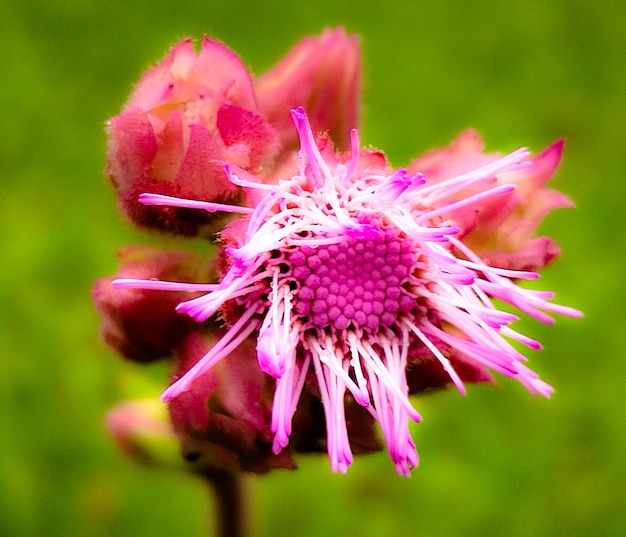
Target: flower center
x: 357, y: 283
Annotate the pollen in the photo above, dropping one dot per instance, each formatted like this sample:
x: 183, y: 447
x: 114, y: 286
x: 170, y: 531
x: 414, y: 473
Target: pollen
x: 199, y: 109
x: 355, y: 284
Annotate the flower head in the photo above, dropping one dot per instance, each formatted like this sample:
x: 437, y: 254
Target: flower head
x: 357, y: 284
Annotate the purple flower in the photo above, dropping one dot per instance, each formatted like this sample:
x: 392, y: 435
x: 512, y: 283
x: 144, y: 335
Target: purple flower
x: 358, y: 285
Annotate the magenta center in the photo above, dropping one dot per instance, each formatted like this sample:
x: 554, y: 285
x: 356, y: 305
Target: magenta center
x: 357, y: 283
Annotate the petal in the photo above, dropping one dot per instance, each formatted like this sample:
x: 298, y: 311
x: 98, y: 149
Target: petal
x: 256, y: 139
x: 169, y: 157
x: 532, y: 255
x: 219, y: 68
x: 157, y: 84
x: 201, y: 175
x: 131, y: 149
x: 189, y: 410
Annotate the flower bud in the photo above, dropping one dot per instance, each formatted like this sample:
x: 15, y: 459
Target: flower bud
x: 321, y: 74
x: 187, y: 117
x: 500, y: 228
x: 142, y: 324
x: 142, y: 431
x: 222, y: 420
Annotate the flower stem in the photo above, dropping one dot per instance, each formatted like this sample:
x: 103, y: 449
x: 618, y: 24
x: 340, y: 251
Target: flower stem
x: 231, y: 506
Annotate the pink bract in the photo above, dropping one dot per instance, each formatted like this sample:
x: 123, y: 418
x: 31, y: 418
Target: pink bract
x: 321, y: 74
x: 501, y: 229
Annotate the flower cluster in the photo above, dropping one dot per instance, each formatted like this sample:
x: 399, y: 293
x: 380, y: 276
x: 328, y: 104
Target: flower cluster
x: 341, y: 286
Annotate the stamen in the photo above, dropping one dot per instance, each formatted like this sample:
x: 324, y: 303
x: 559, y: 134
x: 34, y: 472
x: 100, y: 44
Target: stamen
x: 158, y: 285
x: 403, y: 219
x: 252, y: 181
x: 440, y: 357
x: 355, y: 152
x: 332, y: 392
x: 226, y: 344
x: 512, y: 162
x: 469, y: 201
x: 376, y: 367
x: 397, y: 184
x: 277, y: 341
x: 334, y: 361
x: 309, y: 150
x: 232, y: 286
x: 494, y: 358
x: 159, y: 199
x: 286, y: 396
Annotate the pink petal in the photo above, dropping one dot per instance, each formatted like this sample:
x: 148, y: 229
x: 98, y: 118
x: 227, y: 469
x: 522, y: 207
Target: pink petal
x: 256, y: 139
x: 156, y: 85
x: 201, y: 175
x: 132, y: 147
x: 171, y: 151
x: 219, y: 68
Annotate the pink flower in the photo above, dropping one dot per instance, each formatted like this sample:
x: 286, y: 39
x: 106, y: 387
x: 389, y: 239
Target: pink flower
x: 357, y: 285
x: 195, y: 111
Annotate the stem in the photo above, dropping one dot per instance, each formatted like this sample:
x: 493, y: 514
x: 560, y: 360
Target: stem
x: 231, y: 509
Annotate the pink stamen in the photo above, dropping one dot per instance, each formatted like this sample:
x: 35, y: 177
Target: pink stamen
x: 469, y: 201
x: 158, y: 285
x: 437, y: 354
x: 159, y: 199
x: 286, y: 396
x: 512, y: 162
x: 309, y: 153
x: 229, y: 342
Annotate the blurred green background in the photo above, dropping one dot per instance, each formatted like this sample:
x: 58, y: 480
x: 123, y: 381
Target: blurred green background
x: 498, y: 462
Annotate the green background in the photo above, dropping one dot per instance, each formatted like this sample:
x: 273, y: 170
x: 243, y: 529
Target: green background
x: 497, y: 462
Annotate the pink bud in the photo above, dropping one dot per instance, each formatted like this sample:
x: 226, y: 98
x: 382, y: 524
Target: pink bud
x: 501, y: 229
x: 222, y: 420
x: 142, y: 431
x: 187, y: 116
x: 321, y: 74
x: 141, y: 324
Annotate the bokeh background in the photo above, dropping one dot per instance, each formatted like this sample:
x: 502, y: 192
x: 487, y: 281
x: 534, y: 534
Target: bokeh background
x: 498, y: 462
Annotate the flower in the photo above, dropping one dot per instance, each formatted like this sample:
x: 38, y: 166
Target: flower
x: 357, y: 284
x: 193, y: 112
